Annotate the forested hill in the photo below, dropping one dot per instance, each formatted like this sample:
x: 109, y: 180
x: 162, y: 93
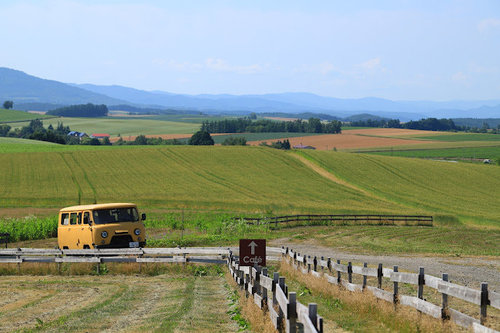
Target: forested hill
x: 23, y: 88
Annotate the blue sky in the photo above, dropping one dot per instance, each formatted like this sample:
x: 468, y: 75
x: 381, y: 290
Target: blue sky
x: 401, y: 50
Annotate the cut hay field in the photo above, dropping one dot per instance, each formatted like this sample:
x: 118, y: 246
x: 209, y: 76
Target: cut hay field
x: 359, y: 138
x: 115, y: 303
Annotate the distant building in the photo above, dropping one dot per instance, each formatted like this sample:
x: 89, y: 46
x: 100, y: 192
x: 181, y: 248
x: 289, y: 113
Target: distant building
x: 79, y: 135
x: 301, y: 146
x: 100, y: 135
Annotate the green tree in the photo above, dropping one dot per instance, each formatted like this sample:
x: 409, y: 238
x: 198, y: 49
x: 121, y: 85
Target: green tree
x: 8, y: 104
x: 201, y: 138
x: 141, y: 140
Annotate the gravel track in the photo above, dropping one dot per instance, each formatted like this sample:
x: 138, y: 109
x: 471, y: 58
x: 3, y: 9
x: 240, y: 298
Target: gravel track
x: 467, y: 271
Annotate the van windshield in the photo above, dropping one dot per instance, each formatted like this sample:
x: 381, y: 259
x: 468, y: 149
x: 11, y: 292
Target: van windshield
x: 115, y: 215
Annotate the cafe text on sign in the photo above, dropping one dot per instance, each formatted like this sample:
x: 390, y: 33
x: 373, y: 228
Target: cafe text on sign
x: 252, y: 251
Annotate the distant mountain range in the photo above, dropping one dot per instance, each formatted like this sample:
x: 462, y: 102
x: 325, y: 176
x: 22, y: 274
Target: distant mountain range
x: 37, y: 93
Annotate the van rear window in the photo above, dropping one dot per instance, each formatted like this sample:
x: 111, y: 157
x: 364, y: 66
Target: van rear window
x: 115, y: 215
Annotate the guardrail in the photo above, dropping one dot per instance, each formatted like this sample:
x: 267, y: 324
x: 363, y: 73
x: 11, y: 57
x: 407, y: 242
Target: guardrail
x: 420, y: 220
x: 325, y: 268
x: 272, y: 296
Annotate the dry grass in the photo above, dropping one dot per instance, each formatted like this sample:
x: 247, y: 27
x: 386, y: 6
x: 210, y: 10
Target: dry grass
x: 258, y: 318
x: 362, y: 311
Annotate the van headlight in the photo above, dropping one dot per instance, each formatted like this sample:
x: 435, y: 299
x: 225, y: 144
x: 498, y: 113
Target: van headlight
x: 137, y: 232
x: 104, y: 234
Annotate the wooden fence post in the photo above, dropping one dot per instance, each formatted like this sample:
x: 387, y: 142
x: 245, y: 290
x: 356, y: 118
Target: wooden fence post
x: 247, y: 281
x: 421, y: 282
x: 364, y: 276
x: 291, y: 320
x: 338, y: 274
x: 329, y: 264
x: 315, y: 264
x: 276, y: 277
x: 379, y: 275
x: 349, y: 272
x: 264, y: 290
x: 396, y: 291
x: 313, y: 314
x: 445, y: 315
x: 484, y: 302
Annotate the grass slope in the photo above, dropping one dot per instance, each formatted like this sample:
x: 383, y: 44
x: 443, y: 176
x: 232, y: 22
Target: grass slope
x: 15, y: 115
x: 122, y: 126
x: 467, y: 190
x: 230, y: 178
x: 249, y: 179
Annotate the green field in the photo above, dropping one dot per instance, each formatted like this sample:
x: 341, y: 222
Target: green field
x: 463, y: 137
x: 123, y: 126
x: 15, y: 116
x: 466, y: 190
x: 230, y: 178
x: 459, y: 153
x: 249, y: 179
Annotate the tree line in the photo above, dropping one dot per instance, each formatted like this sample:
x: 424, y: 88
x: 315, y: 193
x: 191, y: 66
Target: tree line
x: 246, y: 125
x: 427, y: 124
x: 81, y: 110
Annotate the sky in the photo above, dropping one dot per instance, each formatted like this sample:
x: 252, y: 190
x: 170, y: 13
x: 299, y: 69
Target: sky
x: 400, y: 50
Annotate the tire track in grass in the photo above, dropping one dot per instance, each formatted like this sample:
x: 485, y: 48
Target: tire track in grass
x: 208, y: 312
x: 174, y: 313
x: 73, y: 177
x: 85, y: 176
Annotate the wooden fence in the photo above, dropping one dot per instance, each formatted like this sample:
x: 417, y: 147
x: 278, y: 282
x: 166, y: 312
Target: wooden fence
x: 341, y: 219
x: 341, y: 274
x: 272, y: 296
x: 210, y: 255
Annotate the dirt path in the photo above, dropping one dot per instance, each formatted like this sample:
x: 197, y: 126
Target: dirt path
x: 467, y: 271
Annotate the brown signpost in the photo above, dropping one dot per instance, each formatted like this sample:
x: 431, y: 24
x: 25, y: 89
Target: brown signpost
x: 252, y: 251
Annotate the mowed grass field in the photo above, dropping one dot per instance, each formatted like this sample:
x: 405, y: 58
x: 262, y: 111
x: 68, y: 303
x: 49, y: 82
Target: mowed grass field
x: 172, y: 302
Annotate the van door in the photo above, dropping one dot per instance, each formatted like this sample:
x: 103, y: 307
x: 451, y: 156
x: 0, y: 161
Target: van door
x: 86, y: 235
x: 72, y: 231
x: 63, y: 231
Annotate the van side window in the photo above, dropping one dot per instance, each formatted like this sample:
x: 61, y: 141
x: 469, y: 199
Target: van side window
x: 74, y: 218
x: 86, y: 218
x: 64, y: 219
x: 79, y: 218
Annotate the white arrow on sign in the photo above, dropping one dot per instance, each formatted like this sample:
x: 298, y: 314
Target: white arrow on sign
x: 253, y: 246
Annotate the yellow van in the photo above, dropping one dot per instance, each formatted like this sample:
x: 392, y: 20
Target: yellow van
x: 112, y: 225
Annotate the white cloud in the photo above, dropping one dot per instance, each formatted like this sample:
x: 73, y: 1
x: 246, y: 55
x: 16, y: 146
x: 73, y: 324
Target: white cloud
x: 221, y: 65
x: 371, y: 65
x: 488, y: 24
x: 459, y: 77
